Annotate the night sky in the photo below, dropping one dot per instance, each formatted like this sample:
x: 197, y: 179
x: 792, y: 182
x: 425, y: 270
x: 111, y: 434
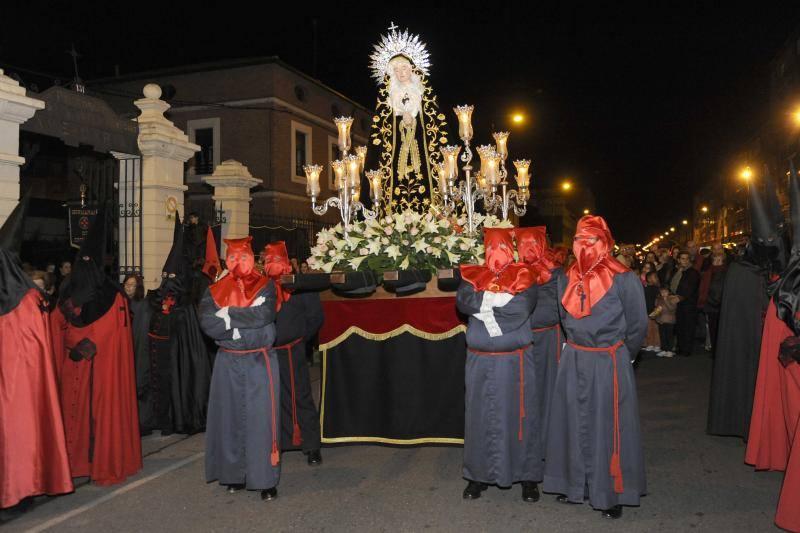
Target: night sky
x: 642, y: 105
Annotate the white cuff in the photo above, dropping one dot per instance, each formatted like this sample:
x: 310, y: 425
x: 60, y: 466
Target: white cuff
x: 224, y: 315
x: 486, y: 315
x: 236, y: 334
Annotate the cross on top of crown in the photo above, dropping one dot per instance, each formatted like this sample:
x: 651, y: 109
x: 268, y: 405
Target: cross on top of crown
x: 392, y: 27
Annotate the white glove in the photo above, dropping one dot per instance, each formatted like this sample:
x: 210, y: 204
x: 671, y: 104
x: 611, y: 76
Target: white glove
x: 258, y: 301
x: 224, y: 315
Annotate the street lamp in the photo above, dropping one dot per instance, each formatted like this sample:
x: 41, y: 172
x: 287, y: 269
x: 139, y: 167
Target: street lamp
x: 704, y: 209
x: 685, y: 222
x: 566, y: 186
x: 746, y: 174
x: 517, y: 118
x: 585, y: 211
x: 672, y: 229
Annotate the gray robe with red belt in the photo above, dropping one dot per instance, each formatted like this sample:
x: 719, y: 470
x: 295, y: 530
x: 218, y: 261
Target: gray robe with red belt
x: 594, y: 410
x: 499, y: 447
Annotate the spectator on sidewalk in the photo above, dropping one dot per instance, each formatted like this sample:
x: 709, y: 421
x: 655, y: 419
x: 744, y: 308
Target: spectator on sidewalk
x: 684, y: 284
x: 664, y: 314
x: 651, y: 291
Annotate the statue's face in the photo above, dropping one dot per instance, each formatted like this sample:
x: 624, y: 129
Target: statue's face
x: 402, y: 70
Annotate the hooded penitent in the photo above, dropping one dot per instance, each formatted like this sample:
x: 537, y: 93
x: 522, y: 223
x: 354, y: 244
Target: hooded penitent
x: 768, y: 248
x: 173, y: 367
x: 593, y: 271
x: 243, y: 282
x: 211, y: 266
x: 499, y: 273
x: 33, y: 454
x: 532, y: 250
x: 276, y: 264
x: 787, y: 293
x: 14, y: 283
x: 88, y: 294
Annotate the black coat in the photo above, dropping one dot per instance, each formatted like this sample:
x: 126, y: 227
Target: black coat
x: 688, y: 286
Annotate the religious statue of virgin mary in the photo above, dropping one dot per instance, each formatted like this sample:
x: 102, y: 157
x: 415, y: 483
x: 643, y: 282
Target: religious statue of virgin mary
x: 407, y: 126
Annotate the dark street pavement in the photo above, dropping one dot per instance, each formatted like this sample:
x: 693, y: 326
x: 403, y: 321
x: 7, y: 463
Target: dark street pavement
x: 696, y: 483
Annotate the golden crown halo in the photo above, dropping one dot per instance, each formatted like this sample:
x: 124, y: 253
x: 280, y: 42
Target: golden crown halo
x: 397, y: 43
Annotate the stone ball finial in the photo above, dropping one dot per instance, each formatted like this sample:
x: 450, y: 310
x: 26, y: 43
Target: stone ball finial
x: 151, y: 90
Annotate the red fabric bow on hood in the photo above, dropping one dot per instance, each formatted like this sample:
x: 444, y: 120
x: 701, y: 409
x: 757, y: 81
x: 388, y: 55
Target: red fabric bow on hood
x: 240, y: 287
x: 276, y: 264
x: 592, y: 273
x: 499, y: 273
x: 532, y: 250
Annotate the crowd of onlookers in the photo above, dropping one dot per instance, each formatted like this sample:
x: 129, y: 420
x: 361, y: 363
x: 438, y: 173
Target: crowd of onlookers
x: 683, y: 293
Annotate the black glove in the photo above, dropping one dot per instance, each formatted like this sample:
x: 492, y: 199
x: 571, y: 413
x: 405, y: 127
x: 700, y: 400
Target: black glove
x: 790, y: 350
x: 85, y: 349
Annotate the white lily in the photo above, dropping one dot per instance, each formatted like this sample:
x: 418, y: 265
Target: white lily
x: 404, y: 264
x: 420, y: 245
x: 393, y: 251
x: 356, y: 262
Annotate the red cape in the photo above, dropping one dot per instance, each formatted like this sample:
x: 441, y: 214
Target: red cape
x: 776, y: 403
x: 774, y: 426
x: 33, y: 454
x: 117, y: 448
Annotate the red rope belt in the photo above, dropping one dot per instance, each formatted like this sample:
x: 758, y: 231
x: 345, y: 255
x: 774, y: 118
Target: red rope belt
x: 558, y: 338
x: 297, y: 439
x: 275, y: 455
x: 615, y: 468
x: 520, y: 353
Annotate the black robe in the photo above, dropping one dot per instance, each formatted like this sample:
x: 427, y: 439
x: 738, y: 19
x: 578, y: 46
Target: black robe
x: 173, y: 369
x: 733, y: 381
x: 299, y: 319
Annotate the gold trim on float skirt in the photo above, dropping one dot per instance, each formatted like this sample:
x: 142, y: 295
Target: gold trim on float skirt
x: 355, y: 330
x: 405, y: 328
x: 383, y: 440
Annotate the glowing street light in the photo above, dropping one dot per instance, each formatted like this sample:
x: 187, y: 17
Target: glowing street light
x: 585, y: 211
x: 672, y: 229
x: 517, y: 118
x: 746, y: 174
x: 566, y: 186
x: 796, y: 117
x: 704, y: 209
x: 685, y: 222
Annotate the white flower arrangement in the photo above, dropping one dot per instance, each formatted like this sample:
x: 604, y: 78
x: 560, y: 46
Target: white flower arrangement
x: 402, y: 241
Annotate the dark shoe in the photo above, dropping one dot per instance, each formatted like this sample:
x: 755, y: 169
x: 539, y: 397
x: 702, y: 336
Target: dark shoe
x: 314, y: 458
x: 269, y: 494
x: 613, y: 513
x: 474, y: 489
x: 563, y: 499
x: 530, y: 491
x: 235, y: 487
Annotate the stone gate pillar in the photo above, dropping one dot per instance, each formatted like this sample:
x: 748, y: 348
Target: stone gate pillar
x: 15, y: 108
x: 164, y: 149
x: 232, y: 182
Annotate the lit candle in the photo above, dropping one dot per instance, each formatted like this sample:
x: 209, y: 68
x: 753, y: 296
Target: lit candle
x: 338, y: 172
x: 489, y: 162
x: 450, y: 159
x: 375, y: 178
x: 312, y: 179
x: 352, y: 171
x: 442, y: 176
x: 343, y: 125
x: 522, y: 177
x: 501, y: 141
x: 481, y: 181
x: 464, y: 114
x: 361, y: 152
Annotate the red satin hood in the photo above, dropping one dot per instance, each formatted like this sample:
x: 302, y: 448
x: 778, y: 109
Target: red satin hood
x: 592, y: 273
x: 499, y: 273
x: 240, y: 287
x: 276, y: 264
x: 532, y: 250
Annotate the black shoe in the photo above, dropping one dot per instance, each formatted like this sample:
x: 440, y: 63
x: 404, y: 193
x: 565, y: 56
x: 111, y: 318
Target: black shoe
x: 530, y: 491
x: 269, y: 494
x: 474, y: 489
x: 314, y: 458
x: 613, y: 513
x: 561, y: 498
x: 235, y: 487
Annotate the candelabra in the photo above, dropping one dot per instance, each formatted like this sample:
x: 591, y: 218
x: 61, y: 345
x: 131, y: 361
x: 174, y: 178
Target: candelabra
x: 485, y: 182
x: 347, y: 181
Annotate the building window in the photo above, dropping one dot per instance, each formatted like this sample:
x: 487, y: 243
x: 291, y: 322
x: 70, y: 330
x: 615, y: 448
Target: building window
x: 206, y: 134
x: 301, y: 150
x: 204, y: 159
